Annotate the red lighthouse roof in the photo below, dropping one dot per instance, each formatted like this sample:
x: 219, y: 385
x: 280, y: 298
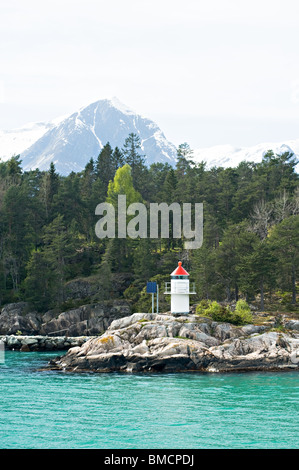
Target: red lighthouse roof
x: 179, y: 271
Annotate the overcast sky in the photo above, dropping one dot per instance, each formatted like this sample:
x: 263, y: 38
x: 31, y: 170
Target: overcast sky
x: 208, y: 72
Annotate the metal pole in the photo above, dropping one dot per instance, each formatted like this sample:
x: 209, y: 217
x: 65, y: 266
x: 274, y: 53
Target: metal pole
x: 153, y: 308
x: 157, y: 298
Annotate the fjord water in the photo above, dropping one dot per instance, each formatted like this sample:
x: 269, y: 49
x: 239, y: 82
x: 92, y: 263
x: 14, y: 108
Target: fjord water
x: 49, y: 409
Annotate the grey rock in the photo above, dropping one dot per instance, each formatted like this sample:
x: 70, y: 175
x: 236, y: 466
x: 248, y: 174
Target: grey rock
x: 205, y: 328
x: 41, y: 343
x: 12, y: 341
x: 145, y: 342
x: 91, y: 319
x: 252, y: 329
x: 196, y: 334
x: 224, y: 331
x: 18, y: 317
x: 292, y: 324
x: 28, y: 340
x: 129, y: 320
x: 17, y: 308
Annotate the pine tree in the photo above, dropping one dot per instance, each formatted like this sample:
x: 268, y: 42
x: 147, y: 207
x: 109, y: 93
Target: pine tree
x: 54, y: 181
x: 184, y: 160
x: 257, y: 269
x: 284, y: 238
x: 184, y: 151
x: 68, y: 200
x: 57, y: 250
x: 105, y: 166
x: 144, y: 263
x: 170, y: 186
x: 38, y: 281
x: 277, y: 172
x: 157, y: 174
x: 48, y: 189
x: 105, y: 281
x: 14, y: 170
x: 18, y: 234
x: 235, y: 241
x: 117, y: 160
x: 132, y: 157
x: 204, y: 273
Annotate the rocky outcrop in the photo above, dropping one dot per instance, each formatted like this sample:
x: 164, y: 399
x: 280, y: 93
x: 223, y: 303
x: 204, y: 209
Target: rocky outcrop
x: 17, y: 317
x: 145, y: 342
x: 90, y: 319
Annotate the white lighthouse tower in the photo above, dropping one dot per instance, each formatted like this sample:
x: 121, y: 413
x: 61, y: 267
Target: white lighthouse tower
x: 179, y: 289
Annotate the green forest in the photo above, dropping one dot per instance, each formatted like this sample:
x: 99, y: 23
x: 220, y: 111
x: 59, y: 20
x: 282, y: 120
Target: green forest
x: 250, y: 238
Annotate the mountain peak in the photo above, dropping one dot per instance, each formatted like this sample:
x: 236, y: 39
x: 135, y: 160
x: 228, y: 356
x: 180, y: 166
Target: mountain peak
x: 104, y: 103
x: 116, y: 103
x: 81, y: 136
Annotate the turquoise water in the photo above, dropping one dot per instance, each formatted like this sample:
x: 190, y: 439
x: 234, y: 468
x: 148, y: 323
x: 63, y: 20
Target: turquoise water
x: 40, y: 410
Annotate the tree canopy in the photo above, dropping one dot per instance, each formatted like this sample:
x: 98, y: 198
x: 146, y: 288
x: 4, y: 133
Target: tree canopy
x: 47, y: 226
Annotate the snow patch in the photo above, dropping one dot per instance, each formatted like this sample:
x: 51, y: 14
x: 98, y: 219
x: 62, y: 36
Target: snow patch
x: 121, y: 107
x: 229, y: 156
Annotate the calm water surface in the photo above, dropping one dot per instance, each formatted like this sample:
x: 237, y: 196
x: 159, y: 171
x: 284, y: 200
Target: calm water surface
x: 115, y: 411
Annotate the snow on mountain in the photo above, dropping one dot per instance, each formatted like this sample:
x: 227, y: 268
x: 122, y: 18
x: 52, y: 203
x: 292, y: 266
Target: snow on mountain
x: 72, y: 142
x: 15, y: 141
x: 229, y: 156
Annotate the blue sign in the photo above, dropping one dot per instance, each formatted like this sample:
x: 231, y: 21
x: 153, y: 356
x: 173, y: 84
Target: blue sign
x: 151, y: 287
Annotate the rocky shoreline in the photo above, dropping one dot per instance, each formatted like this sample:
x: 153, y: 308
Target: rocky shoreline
x: 41, y: 343
x: 149, y: 342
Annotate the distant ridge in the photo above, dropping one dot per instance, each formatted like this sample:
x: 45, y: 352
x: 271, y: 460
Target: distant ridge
x: 70, y: 141
x: 229, y: 156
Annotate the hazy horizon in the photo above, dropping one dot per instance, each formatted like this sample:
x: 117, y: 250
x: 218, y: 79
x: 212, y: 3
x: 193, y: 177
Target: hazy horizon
x: 207, y: 73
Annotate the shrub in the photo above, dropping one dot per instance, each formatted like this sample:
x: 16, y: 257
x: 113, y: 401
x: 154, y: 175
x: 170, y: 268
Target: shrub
x: 242, y: 313
x: 220, y: 313
x: 213, y: 310
x: 242, y: 306
x: 202, y: 306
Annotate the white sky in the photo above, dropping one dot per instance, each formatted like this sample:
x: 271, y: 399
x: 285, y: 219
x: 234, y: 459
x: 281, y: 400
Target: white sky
x: 208, y: 72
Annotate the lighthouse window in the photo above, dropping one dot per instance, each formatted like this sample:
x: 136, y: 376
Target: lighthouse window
x: 178, y: 277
